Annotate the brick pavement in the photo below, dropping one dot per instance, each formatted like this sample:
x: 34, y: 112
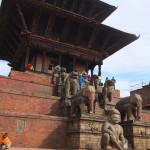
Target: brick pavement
x: 17, y: 148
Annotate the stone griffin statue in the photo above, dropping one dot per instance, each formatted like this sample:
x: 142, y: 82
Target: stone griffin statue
x: 108, y: 91
x: 84, y: 97
x: 95, y: 81
x: 71, y: 84
x: 130, y: 105
x: 112, y: 132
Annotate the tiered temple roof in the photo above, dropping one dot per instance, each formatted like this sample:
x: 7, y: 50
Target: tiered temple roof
x: 72, y: 27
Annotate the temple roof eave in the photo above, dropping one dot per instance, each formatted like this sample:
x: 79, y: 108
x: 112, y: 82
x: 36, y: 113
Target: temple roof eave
x: 101, y: 51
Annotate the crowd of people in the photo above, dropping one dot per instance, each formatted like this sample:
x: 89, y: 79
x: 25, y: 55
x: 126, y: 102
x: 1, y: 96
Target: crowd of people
x: 81, y: 80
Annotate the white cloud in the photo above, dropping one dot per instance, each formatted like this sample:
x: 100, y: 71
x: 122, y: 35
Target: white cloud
x: 4, y: 68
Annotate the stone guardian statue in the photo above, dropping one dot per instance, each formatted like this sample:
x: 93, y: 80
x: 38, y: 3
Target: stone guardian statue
x: 112, y: 132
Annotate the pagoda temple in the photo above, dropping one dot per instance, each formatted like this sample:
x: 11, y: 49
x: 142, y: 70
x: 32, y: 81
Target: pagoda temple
x: 64, y: 32
x: 61, y: 33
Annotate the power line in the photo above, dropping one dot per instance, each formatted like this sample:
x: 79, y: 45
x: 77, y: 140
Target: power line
x: 138, y: 85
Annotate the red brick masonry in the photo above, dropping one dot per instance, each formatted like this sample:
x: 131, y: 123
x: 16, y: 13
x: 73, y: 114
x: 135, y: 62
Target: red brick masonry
x: 39, y: 131
x: 27, y: 97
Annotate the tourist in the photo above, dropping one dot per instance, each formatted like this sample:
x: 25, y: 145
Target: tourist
x: 89, y: 78
x: 30, y: 67
x: 50, y: 67
x: 80, y: 81
x: 5, y: 142
x: 114, y: 81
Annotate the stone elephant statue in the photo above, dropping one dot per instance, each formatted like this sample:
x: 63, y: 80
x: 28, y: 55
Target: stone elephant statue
x: 71, y: 84
x: 129, y: 106
x: 108, y: 91
x: 84, y: 97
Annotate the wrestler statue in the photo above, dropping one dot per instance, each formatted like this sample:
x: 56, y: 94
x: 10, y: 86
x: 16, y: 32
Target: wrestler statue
x: 112, y: 132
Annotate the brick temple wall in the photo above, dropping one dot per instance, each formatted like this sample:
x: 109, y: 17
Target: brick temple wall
x: 11, y: 84
x: 29, y: 103
x: 29, y: 76
x: 146, y: 115
x: 34, y: 130
x: 32, y: 116
x: 145, y: 93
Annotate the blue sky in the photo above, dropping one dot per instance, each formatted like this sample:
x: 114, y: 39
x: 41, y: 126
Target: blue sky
x: 131, y: 65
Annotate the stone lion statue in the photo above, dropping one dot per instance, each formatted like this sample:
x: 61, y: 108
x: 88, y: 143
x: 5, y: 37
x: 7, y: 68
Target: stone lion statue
x: 95, y: 81
x: 84, y: 97
x: 108, y: 91
x: 129, y: 106
x: 71, y: 84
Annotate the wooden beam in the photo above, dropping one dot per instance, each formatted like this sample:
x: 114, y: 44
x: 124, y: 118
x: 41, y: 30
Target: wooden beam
x: 50, y: 25
x: 22, y: 17
x: 11, y: 38
x: 64, y: 3
x: 82, y: 6
x: 35, y: 60
x: 36, y: 20
x: 104, y: 44
x: 55, y: 3
x: 99, y: 70
x: 92, y: 8
x: 117, y: 45
x: 93, y: 36
x: 27, y: 57
x: 43, y: 61
x: 49, y: 44
x: 74, y: 63
x: 74, y: 5
x: 79, y: 34
x: 87, y: 67
x: 8, y: 52
x: 20, y: 47
x: 11, y: 47
x: 92, y: 69
x: 66, y: 30
x: 59, y: 60
x: 14, y: 32
x: 16, y: 21
x: 62, y: 12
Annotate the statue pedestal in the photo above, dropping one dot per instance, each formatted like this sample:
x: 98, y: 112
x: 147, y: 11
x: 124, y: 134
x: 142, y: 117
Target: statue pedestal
x: 84, y: 132
x: 137, y: 133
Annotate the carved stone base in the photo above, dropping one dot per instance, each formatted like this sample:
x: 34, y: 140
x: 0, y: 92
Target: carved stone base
x: 108, y: 106
x: 137, y: 134
x: 84, y: 133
